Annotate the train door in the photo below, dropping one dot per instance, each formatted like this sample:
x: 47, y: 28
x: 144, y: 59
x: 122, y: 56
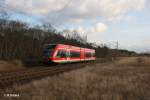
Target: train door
x: 68, y: 55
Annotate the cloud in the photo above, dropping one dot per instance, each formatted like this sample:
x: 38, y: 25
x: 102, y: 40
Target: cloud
x: 69, y: 11
x: 146, y: 41
x: 35, y: 6
x: 19, y: 5
x: 98, y: 28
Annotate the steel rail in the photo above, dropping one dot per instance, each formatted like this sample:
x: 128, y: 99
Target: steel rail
x: 8, y: 79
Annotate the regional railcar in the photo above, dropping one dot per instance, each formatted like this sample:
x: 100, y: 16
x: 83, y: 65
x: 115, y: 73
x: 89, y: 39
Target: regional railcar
x: 60, y: 53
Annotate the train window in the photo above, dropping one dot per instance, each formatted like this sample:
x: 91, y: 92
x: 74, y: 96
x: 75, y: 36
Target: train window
x: 88, y: 54
x: 61, y: 54
x: 74, y: 54
x: 93, y: 54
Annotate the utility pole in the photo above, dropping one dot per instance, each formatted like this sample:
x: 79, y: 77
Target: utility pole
x: 117, y: 45
x: 116, y: 51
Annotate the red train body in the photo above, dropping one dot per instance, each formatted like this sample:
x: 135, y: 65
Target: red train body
x: 60, y: 53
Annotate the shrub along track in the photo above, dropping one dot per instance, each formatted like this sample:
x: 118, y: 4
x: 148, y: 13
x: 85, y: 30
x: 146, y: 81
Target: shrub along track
x: 8, y: 79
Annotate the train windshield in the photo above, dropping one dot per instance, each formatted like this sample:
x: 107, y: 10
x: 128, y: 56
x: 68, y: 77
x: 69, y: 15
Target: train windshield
x: 48, y: 50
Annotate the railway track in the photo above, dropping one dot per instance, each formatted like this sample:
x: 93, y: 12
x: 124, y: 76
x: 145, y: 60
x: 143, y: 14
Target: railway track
x: 8, y: 79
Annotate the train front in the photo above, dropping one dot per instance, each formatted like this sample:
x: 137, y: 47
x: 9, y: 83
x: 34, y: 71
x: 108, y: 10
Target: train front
x: 48, y: 52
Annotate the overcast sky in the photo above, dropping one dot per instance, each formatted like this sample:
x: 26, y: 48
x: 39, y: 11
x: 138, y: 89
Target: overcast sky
x: 104, y: 21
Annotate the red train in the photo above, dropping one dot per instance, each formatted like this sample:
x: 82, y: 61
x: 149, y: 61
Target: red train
x: 60, y: 53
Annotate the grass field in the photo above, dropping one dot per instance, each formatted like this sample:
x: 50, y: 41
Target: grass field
x: 125, y: 79
x: 11, y: 65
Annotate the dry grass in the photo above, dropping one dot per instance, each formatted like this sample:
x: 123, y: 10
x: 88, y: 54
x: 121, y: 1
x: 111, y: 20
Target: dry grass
x: 11, y: 65
x: 113, y: 81
x: 135, y: 61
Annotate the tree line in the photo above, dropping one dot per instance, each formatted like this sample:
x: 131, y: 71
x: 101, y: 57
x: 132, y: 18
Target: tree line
x: 19, y: 40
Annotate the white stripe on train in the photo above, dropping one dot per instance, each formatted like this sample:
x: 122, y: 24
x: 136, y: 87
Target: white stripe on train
x: 78, y: 60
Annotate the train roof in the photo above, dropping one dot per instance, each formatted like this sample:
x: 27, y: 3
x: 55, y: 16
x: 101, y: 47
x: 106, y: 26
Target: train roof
x: 70, y: 46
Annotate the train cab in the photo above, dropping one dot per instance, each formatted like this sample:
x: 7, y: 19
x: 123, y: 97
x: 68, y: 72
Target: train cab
x: 48, y: 52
